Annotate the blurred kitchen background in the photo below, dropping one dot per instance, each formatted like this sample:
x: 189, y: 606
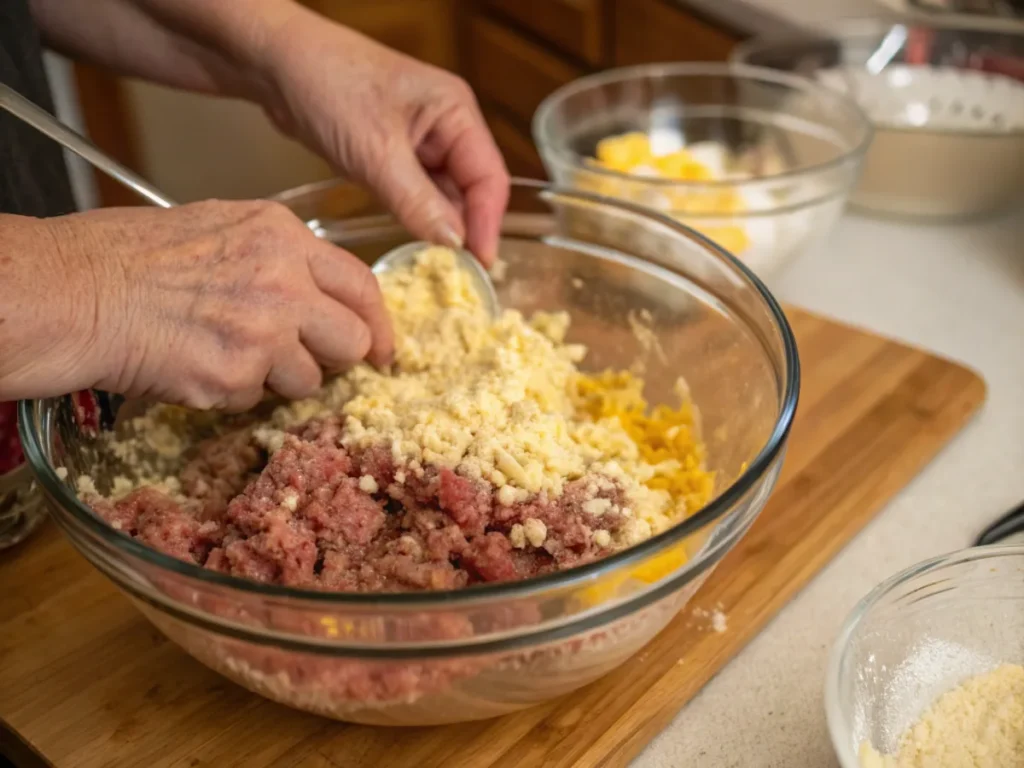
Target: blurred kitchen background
x: 196, y: 147
x: 199, y: 147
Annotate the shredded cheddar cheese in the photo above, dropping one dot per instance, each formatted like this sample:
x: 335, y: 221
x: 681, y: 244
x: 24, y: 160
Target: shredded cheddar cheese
x: 665, y: 436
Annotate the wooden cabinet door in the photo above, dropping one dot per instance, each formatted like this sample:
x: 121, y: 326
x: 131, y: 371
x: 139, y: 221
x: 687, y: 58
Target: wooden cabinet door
x: 578, y: 27
x: 516, y: 147
x: 423, y: 29
x: 507, y: 70
x: 658, y: 30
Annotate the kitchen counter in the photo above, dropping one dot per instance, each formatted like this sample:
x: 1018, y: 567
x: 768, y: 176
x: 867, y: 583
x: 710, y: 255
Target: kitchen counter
x: 956, y: 290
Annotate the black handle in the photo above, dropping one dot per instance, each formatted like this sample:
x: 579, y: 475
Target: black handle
x: 1007, y: 525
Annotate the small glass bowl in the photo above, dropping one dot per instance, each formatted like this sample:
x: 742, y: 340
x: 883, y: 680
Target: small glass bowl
x: 917, y: 635
x: 21, y: 506
x: 439, y: 657
x: 794, y: 149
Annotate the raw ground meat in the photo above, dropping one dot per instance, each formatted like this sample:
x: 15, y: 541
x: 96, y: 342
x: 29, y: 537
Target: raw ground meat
x: 318, y: 517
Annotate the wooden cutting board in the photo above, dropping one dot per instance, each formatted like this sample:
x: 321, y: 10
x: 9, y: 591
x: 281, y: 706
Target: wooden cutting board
x: 85, y: 682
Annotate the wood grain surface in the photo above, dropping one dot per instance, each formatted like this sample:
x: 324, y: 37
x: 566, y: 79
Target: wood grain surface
x: 85, y: 682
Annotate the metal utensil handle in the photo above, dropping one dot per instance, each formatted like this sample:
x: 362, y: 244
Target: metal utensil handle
x: 44, y: 122
x: 1007, y: 525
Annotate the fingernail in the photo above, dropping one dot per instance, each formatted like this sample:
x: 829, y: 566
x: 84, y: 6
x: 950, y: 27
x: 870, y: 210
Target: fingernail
x: 383, y: 360
x: 450, y: 237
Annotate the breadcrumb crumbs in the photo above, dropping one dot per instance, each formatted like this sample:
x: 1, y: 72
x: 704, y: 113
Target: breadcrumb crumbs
x: 979, y: 724
x: 503, y: 401
x: 535, y: 531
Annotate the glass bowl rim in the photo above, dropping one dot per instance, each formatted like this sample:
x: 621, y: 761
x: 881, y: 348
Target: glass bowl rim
x: 856, y: 28
x: 46, y: 474
x: 735, y: 70
x: 838, y: 726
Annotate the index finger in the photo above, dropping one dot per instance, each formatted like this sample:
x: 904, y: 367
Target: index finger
x: 472, y: 160
x: 349, y: 281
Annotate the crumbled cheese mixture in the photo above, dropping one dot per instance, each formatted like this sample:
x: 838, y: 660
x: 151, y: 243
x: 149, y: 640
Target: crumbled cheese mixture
x: 715, y: 618
x: 498, y: 400
x: 979, y: 724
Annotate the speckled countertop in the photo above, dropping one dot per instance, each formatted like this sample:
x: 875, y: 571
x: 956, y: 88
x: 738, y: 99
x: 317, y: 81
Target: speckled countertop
x: 958, y: 290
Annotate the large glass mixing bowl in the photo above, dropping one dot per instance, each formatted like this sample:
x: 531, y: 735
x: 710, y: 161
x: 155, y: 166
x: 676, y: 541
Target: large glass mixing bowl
x: 436, y: 657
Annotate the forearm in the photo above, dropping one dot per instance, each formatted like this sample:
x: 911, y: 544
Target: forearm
x: 210, y: 46
x: 42, y: 320
x: 243, y: 30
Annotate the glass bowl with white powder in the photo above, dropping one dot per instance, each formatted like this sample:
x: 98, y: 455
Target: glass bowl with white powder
x: 929, y: 667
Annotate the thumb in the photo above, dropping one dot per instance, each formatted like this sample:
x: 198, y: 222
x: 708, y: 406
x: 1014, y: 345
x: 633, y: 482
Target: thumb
x: 418, y: 203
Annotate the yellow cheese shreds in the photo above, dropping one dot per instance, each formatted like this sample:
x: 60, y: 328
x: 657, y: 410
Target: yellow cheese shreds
x: 625, y: 152
x: 632, y: 153
x: 732, y: 239
x: 664, y: 437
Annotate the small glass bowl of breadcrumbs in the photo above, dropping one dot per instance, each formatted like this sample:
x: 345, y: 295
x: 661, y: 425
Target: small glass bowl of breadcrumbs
x: 929, y: 667
x: 511, y: 510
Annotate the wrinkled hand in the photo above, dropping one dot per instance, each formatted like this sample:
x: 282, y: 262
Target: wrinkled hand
x: 203, y: 305
x: 411, y: 131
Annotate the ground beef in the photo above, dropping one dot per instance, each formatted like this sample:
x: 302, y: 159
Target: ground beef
x: 222, y: 467
x: 318, y: 517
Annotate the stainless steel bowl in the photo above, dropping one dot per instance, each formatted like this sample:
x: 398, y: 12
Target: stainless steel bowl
x: 433, y: 657
x: 948, y: 143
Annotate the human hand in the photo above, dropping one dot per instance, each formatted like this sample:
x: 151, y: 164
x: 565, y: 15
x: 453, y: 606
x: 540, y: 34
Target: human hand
x: 410, y: 131
x: 202, y: 305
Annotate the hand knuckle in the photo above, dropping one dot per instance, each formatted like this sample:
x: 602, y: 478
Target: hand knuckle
x: 240, y: 329
x: 241, y: 373
x: 460, y: 89
x: 267, y: 330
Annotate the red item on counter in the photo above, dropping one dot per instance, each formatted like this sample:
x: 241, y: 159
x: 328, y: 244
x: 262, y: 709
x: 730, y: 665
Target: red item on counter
x: 918, y: 47
x: 1009, y: 66
x: 11, y: 456
x: 87, y: 411
x: 10, y: 447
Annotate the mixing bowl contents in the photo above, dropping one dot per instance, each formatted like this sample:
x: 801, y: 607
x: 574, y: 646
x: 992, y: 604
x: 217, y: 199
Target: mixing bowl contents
x: 637, y: 154
x: 483, y: 455
x: 979, y: 723
x: 716, y: 192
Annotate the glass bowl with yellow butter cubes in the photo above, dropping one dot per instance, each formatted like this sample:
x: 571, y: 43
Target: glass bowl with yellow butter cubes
x: 758, y: 161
